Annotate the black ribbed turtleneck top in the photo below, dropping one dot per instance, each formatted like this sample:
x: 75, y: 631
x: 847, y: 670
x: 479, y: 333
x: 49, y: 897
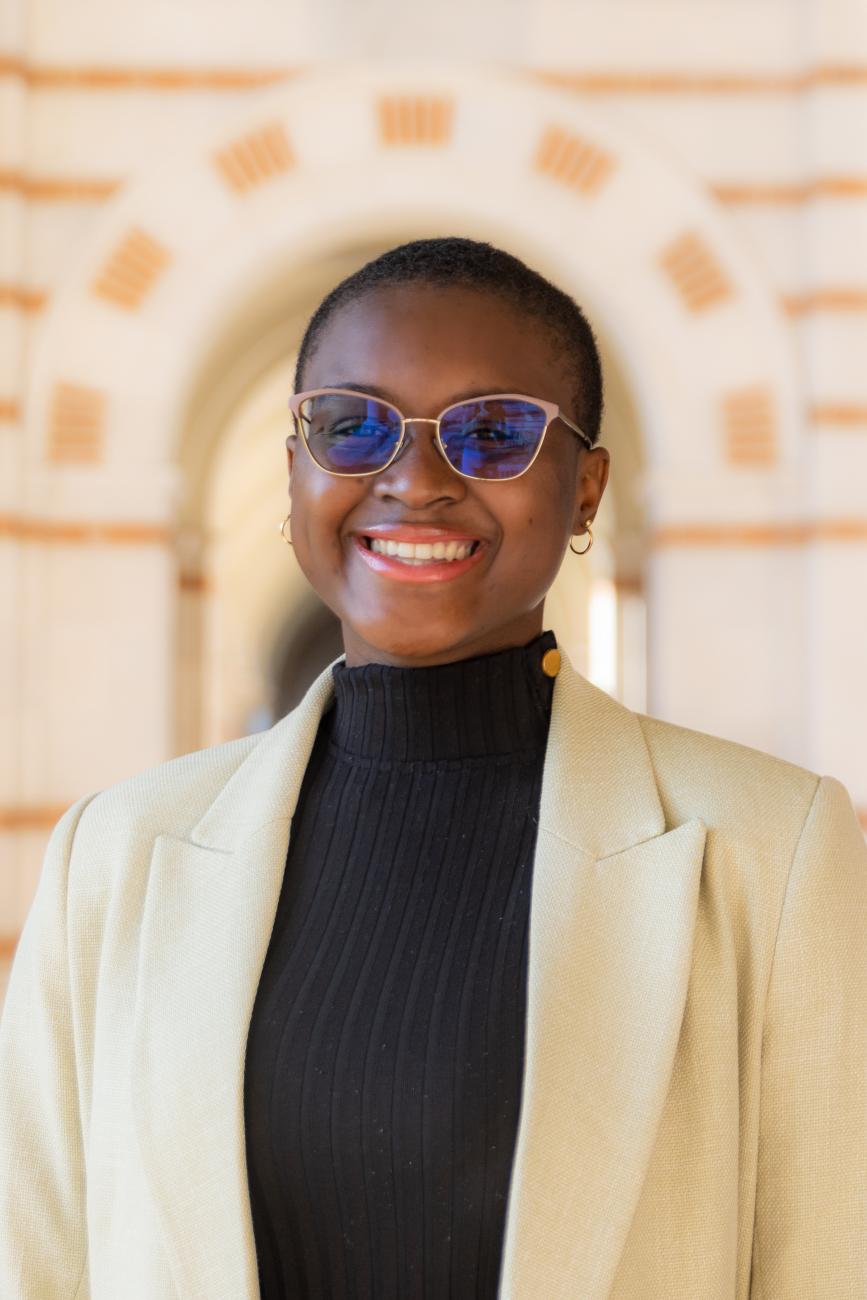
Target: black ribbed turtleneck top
x: 385, y: 1052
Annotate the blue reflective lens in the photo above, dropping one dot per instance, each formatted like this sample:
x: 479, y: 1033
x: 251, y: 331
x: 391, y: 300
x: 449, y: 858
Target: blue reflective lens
x: 349, y: 434
x: 494, y: 438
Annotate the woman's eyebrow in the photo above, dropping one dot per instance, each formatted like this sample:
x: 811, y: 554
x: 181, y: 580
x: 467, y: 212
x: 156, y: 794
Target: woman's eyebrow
x: 375, y: 391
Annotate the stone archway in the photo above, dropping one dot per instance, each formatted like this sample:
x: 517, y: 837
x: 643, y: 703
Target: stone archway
x: 189, y: 260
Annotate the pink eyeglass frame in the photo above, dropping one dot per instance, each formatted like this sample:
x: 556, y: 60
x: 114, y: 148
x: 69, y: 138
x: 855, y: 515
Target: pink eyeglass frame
x: 551, y: 409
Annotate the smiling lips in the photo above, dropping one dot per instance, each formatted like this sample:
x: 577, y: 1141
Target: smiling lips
x: 418, y: 555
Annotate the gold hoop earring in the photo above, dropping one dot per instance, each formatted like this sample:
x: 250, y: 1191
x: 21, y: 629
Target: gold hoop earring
x: 282, y: 533
x: 586, y: 548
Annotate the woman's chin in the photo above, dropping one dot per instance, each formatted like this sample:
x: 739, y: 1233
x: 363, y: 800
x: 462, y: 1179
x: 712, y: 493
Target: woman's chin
x: 387, y: 642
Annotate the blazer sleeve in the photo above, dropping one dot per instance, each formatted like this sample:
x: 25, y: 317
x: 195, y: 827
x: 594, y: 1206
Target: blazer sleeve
x: 43, y: 1236
x: 810, y: 1238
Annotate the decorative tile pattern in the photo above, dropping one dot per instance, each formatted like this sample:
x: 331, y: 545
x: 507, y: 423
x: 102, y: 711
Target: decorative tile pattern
x: 694, y: 271
x: 76, y: 425
x: 132, y: 270
x: 750, y: 427
x: 415, y: 119
x: 255, y: 158
x: 573, y: 160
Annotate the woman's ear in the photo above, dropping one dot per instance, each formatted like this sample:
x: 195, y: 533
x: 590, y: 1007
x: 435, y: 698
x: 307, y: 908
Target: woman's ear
x: 593, y: 471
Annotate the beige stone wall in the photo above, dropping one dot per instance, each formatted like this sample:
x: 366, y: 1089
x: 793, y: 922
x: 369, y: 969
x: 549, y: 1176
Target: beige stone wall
x: 178, y: 184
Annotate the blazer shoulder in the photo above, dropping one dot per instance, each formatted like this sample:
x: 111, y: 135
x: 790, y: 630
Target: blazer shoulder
x: 726, y: 783
x: 170, y: 796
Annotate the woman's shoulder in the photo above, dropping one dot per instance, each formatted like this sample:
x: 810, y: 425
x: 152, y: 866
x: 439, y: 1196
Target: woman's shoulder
x: 729, y: 785
x: 680, y: 745
x: 171, y: 795
x: 725, y: 782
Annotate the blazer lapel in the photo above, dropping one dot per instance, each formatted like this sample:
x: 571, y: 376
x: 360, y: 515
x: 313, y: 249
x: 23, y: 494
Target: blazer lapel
x: 208, y: 913
x: 613, y: 909
x: 612, y: 913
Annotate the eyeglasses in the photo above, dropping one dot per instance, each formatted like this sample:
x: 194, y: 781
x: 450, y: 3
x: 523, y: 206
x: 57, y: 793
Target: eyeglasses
x: 498, y: 437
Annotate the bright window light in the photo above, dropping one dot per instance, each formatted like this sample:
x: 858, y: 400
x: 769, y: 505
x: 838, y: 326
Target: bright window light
x: 602, y: 649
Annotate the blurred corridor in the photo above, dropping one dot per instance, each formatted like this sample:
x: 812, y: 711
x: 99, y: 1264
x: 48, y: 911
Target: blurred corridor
x: 178, y: 189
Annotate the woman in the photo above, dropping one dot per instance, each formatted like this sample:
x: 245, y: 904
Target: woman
x: 540, y: 997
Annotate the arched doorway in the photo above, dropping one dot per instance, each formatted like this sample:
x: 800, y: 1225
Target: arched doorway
x: 203, y: 274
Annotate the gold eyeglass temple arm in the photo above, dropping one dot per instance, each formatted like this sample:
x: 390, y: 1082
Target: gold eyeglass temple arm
x: 576, y: 429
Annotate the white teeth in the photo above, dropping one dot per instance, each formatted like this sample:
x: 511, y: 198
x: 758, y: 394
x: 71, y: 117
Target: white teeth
x: 423, y: 552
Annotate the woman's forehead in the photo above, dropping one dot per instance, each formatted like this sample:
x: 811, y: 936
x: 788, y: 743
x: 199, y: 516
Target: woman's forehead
x: 406, y: 331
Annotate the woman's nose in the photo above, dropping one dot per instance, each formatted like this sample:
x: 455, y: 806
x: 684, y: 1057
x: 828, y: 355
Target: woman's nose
x: 420, y: 469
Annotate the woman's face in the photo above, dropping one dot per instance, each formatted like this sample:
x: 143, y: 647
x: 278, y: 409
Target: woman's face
x: 423, y: 347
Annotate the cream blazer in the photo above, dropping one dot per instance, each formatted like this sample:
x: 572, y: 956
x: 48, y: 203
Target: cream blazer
x: 694, y: 1109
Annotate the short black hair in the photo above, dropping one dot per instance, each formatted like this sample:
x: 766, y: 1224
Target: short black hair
x: 451, y: 260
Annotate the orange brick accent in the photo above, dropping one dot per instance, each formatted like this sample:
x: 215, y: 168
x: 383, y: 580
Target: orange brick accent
x: 836, y: 298
x: 844, y: 415
x: 8, y: 944
x: 415, y: 119
x: 706, y: 83
x: 731, y: 535
x: 839, y: 530
x: 629, y: 585
x: 106, y: 77
x: 824, y: 187
x: 750, y: 427
x: 573, y: 160
x: 754, y: 535
x: 694, y: 271
x: 32, y: 818
x: 22, y: 297
x: 255, y: 158
x: 76, y: 424
x: 195, y: 583
x: 132, y: 270
x: 57, y: 187
x: 105, y: 532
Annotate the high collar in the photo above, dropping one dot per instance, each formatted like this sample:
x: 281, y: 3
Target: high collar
x: 493, y: 704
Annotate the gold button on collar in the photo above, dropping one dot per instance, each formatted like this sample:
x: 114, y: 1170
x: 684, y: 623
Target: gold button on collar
x: 551, y: 663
